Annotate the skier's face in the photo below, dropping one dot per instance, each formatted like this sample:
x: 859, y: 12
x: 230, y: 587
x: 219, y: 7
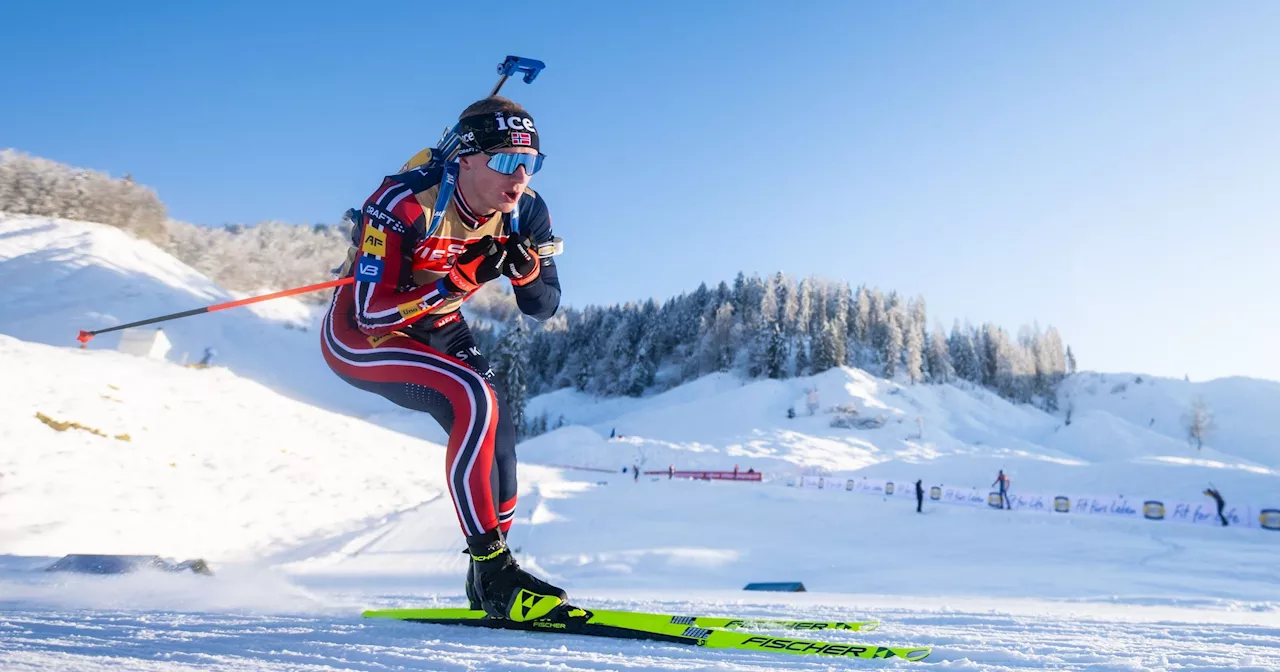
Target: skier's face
x: 487, y: 189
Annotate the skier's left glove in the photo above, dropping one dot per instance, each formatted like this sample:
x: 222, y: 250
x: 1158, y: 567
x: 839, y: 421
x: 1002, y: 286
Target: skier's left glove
x: 522, y: 265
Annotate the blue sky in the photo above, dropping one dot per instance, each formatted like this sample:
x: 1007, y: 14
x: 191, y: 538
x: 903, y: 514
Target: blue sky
x: 1108, y: 168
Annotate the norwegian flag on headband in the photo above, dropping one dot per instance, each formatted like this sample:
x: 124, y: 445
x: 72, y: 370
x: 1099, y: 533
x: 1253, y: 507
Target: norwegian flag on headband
x: 521, y: 139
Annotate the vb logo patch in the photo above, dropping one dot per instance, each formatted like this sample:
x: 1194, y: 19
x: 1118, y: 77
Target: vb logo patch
x: 369, y: 268
x: 1062, y: 504
x: 935, y: 493
x: 1269, y: 519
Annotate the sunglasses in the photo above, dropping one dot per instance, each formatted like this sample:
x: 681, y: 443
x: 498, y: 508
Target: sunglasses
x: 508, y: 163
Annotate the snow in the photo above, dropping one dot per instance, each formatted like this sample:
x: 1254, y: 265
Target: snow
x: 312, y: 502
x: 193, y: 472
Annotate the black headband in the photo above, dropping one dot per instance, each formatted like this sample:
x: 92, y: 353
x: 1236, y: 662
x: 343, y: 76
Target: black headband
x: 496, y: 130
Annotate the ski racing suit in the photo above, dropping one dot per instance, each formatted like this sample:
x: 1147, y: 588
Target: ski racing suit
x: 394, y: 333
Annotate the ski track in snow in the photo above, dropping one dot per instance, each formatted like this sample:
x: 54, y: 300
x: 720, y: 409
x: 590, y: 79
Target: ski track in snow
x: 115, y: 640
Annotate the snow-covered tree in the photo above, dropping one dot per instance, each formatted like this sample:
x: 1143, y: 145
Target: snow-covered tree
x: 895, y: 318
x: 825, y: 349
x: 34, y: 186
x: 509, y: 369
x: 716, y: 351
x: 914, y: 340
x: 941, y: 370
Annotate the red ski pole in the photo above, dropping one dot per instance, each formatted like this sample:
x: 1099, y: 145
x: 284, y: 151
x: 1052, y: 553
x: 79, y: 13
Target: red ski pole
x: 86, y: 336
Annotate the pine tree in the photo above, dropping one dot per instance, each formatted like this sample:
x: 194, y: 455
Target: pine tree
x: 914, y: 340
x: 801, y: 361
x: 964, y: 356
x: 640, y: 376
x: 893, y: 338
x: 716, y: 351
x: 776, y: 353
x: 509, y: 371
x: 804, y: 308
x: 1071, y: 362
x: 877, y: 332
x: 941, y: 368
x: 824, y: 349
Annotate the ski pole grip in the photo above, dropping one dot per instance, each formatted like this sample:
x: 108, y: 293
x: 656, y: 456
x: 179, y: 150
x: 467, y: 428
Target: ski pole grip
x: 518, y: 64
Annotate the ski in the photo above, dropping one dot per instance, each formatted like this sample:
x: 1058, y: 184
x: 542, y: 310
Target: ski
x: 657, y: 627
x: 718, y: 622
x: 764, y: 623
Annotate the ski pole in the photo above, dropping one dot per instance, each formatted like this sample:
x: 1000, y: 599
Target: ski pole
x: 86, y: 336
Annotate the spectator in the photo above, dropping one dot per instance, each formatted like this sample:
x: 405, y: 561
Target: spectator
x: 1003, y: 482
x: 1217, y: 498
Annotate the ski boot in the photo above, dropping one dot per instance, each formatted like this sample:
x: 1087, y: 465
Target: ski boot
x: 473, y: 598
x: 502, y: 589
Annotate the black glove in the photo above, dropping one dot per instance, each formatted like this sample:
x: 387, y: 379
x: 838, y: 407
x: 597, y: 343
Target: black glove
x: 479, y: 263
x: 523, y: 265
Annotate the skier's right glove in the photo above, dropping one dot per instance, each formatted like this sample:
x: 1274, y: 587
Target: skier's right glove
x: 479, y: 263
x: 522, y: 264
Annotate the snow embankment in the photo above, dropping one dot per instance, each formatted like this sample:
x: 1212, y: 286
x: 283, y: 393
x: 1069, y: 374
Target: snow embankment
x: 184, y: 462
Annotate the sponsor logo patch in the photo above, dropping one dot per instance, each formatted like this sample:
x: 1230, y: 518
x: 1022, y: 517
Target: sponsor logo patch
x: 1153, y: 510
x: 412, y: 308
x: 369, y: 269
x: 375, y: 341
x: 447, y: 319
x: 375, y: 242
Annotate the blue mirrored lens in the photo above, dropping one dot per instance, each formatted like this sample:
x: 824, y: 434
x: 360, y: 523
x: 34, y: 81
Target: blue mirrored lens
x: 508, y: 163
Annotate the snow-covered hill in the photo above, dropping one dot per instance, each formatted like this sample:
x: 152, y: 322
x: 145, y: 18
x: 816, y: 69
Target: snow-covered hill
x: 943, y: 434
x: 62, y: 276
x: 310, y: 514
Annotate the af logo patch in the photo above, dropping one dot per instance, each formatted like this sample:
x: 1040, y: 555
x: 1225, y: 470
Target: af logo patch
x: 375, y: 242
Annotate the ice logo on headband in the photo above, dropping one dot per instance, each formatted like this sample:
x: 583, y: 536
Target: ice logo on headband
x: 514, y: 123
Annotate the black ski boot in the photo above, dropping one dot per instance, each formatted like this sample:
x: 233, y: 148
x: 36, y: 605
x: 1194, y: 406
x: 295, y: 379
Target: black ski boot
x: 473, y: 598
x: 502, y: 588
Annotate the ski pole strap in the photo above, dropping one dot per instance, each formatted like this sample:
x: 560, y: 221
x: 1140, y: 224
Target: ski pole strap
x: 448, y: 182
